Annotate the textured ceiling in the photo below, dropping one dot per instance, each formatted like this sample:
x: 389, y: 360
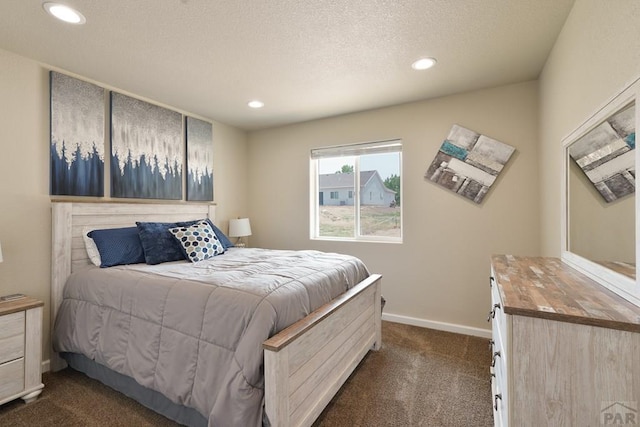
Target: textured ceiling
x: 305, y: 59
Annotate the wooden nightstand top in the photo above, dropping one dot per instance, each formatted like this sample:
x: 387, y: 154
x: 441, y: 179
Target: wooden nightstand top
x: 8, y: 307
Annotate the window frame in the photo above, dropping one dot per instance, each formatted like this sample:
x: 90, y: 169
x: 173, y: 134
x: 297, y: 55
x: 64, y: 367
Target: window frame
x: 356, y: 151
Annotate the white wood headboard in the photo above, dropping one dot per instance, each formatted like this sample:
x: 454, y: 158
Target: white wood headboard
x: 68, y: 219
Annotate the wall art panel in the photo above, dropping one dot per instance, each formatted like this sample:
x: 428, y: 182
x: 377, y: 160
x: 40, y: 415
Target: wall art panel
x: 606, y: 155
x: 468, y: 163
x: 199, y: 159
x: 147, y: 150
x: 77, y: 137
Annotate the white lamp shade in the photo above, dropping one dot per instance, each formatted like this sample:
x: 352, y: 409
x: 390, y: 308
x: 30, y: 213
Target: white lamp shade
x: 239, y: 227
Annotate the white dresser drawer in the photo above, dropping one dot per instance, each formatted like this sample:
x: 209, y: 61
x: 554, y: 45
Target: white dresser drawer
x: 499, y: 354
x: 11, y: 378
x: 497, y: 403
x: 12, y: 336
x: 498, y: 320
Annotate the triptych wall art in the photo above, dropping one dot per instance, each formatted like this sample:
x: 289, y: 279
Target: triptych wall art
x: 147, y: 145
x: 468, y: 163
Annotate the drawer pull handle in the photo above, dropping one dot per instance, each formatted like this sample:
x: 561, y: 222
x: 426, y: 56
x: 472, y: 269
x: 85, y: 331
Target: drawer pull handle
x: 491, y: 280
x: 495, y: 400
x: 492, y: 313
x: 491, y: 344
x: 493, y: 362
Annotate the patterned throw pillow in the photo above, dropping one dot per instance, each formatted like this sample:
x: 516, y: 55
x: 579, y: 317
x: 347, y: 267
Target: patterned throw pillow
x: 198, y: 241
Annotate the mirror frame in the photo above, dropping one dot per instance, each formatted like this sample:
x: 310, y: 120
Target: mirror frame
x: 622, y: 285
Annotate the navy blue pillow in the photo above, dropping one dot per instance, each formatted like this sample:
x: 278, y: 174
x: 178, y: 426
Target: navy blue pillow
x: 158, y: 243
x: 226, y: 243
x: 118, y: 246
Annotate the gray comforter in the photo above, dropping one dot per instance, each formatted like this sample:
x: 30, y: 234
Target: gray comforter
x: 193, y: 332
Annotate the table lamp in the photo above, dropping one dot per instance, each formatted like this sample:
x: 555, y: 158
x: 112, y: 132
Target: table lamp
x: 239, y: 228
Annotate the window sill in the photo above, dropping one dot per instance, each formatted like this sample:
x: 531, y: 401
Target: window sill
x: 359, y: 240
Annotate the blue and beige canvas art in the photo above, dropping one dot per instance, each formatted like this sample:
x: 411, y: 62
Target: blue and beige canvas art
x: 468, y: 163
x: 606, y: 155
x: 146, y: 150
x: 199, y: 160
x: 77, y: 137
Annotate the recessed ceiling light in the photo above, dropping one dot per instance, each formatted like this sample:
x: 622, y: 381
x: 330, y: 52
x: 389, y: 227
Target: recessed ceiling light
x: 256, y: 104
x: 424, y: 63
x: 64, y: 13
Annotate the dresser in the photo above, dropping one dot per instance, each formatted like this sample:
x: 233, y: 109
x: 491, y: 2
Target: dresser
x: 20, y: 349
x: 565, y: 350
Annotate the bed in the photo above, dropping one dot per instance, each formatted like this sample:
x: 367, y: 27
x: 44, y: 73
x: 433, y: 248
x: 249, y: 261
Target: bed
x: 303, y: 365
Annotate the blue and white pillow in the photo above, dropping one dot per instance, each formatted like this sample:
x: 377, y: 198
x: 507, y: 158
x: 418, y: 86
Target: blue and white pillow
x: 198, y: 241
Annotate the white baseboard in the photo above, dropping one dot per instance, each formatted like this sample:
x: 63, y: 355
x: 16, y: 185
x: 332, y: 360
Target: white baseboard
x: 440, y: 326
x: 46, y: 366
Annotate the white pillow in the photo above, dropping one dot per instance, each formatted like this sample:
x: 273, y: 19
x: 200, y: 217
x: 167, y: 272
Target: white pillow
x: 90, y: 246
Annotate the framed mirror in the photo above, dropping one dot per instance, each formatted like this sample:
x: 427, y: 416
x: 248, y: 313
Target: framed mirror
x: 600, y: 224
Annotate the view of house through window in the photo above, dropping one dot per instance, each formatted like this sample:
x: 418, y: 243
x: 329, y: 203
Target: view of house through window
x: 356, y: 192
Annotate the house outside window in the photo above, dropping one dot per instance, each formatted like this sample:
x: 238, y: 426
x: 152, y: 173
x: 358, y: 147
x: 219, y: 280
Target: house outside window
x: 363, y: 182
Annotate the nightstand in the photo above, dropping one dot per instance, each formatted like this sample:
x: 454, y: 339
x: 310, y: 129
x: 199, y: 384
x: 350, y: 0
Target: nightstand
x: 20, y: 349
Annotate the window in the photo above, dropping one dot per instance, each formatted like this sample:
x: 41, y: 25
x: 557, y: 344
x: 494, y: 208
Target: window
x: 369, y: 175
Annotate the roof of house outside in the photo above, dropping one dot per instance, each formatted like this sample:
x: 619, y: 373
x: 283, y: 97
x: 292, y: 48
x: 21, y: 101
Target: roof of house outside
x: 346, y: 179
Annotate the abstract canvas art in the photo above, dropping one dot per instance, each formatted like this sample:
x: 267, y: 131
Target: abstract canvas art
x: 468, y: 163
x: 606, y: 155
x: 146, y: 150
x: 199, y: 160
x: 77, y: 137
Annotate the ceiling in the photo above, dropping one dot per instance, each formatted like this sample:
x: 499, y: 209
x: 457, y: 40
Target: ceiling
x: 305, y: 59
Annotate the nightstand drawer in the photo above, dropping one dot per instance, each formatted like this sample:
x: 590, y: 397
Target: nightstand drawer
x: 11, y: 378
x: 12, y: 324
x: 11, y: 336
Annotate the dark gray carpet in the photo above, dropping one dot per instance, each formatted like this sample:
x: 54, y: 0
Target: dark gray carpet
x: 421, y: 377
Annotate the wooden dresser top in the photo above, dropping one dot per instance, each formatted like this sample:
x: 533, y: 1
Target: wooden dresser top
x: 550, y: 289
x: 8, y: 307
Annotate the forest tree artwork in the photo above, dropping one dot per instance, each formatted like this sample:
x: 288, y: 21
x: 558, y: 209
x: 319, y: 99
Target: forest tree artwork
x: 77, y: 137
x: 146, y: 150
x: 468, y: 163
x: 199, y: 160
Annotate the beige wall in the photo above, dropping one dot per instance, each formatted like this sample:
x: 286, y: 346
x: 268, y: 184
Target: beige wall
x: 25, y: 217
x: 441, y: 271
x: 595, y: 56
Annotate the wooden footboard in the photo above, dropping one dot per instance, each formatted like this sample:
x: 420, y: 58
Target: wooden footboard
x: 307, y: 363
